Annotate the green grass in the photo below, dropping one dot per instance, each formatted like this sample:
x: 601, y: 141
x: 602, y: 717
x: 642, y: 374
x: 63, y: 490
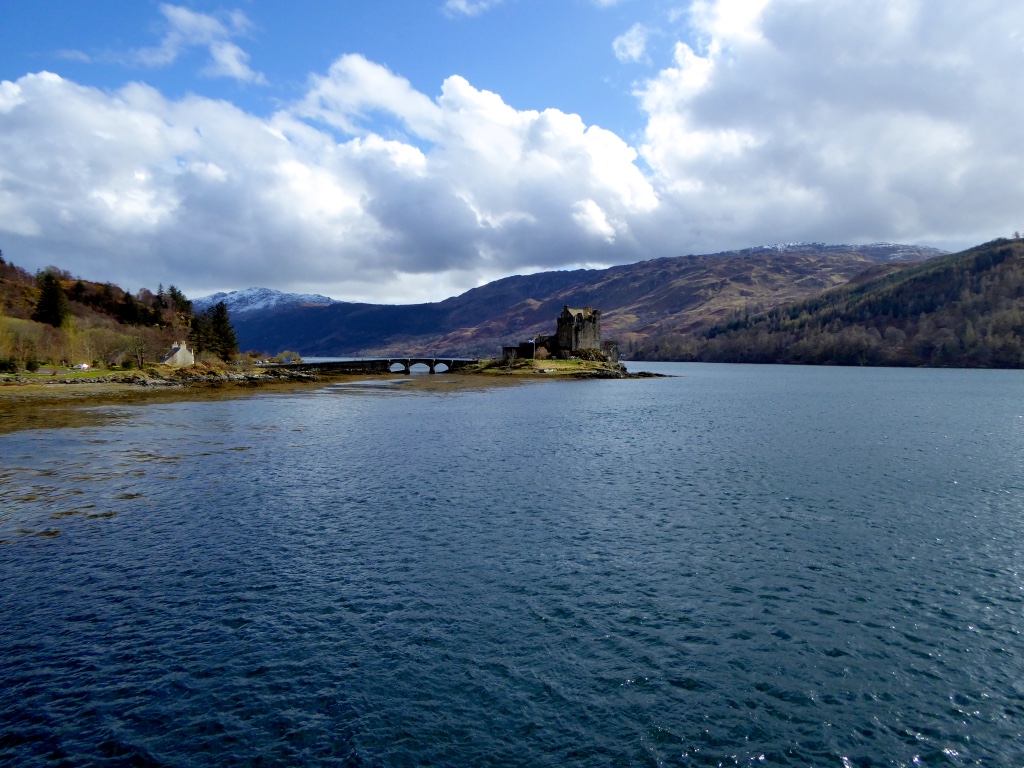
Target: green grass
x: 537, y: 367
x: 46, y: 372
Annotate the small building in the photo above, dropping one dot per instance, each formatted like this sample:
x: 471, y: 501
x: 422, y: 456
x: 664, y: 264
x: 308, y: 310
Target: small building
x: 180, y: 356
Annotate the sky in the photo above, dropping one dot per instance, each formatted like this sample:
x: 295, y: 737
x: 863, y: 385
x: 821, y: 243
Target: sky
x: 399, y: 151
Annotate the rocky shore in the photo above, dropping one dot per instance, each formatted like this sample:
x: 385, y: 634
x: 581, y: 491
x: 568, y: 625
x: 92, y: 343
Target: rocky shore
x: 70, y: 398
x: 44, y: 401
x: 570, y: 369
x: 181, y: 377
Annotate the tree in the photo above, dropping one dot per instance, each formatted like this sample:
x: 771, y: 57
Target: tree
x: 128, y: 310
x: 52, y: 307
x: 199, y: 332
x: 222, y: 335
x: 141, y: 344
x: 106, y: 298
x: 211, y: 331
x: 178, y: 301
x: 22, y: 340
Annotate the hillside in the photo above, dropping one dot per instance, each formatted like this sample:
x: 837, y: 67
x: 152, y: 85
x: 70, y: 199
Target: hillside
x: 96, y: 323
x: 638, y: 301
x: 963, y: 310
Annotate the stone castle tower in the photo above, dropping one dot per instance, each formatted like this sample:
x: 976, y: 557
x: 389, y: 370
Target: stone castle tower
x: 579, y: 329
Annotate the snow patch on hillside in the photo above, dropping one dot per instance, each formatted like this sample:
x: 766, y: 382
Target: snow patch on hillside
x: 253, y: 299
x: 880, y: 252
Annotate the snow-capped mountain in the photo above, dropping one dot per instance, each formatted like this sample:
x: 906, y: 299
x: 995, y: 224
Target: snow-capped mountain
x: 880, y: 252
x: 252, y: 299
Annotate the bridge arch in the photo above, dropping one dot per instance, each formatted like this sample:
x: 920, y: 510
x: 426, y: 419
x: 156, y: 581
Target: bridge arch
x: 379, y: 365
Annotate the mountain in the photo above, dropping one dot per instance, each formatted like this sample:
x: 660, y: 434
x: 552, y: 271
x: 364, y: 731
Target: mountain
x: 260, y: 299
x: 962, y: 310
x: 638, y: 301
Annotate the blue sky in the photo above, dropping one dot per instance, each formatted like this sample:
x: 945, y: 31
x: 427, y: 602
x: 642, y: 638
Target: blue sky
x: 535, y: 53
x: 406, y: 151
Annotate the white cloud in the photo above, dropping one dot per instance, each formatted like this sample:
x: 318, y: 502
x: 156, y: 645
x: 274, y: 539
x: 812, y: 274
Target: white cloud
x: 74, y: 55
x: 631, y: 45
x: 592, y: 219
x: 726, y: 22
x: 355, y: 88
x: 777, y: 120
x: 10, y: 96
x: 145, y: 189
x: 228, y: 60
x: 188, y: 29
x: 470, y: 7
x: 846, y: 120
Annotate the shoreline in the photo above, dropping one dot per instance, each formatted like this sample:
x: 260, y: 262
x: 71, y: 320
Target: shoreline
x: 60, y: 401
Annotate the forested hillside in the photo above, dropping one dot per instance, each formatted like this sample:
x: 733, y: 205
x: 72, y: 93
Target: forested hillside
x: 963, y: 310
x: 56, y: 319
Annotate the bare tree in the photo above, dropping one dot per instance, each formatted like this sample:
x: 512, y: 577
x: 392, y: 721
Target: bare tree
x: 140, y: 345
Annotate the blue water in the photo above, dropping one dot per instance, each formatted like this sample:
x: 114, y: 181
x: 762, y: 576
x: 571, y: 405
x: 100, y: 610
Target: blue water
x: 740, y: 566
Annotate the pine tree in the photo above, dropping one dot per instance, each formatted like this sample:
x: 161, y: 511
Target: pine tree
x: 181, y: 304
x: 128, y: 310
x: 211, y: 331
x: 52, y: 307
x: 199, y: 331
x: 224, y: 343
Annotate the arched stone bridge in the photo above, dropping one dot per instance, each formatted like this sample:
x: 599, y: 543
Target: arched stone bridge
x: 381, y: 365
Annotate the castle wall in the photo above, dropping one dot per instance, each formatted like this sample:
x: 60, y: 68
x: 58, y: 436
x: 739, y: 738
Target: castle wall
x: 579, y: 329
x: 587, y: 334
x: 564, y: 335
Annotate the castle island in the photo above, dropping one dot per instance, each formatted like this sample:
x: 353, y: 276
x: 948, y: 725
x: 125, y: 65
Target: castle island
x: 578, y: 335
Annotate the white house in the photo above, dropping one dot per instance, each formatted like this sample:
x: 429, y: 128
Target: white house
x: 180, y: 355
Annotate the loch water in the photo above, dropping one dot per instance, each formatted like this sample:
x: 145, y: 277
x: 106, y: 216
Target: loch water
x: 740, y: 565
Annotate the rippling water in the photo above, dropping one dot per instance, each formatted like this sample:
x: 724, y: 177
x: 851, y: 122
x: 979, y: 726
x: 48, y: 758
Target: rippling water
x: 739, y: 566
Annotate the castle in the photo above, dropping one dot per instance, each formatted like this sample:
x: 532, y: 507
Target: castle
x: 578, y: 332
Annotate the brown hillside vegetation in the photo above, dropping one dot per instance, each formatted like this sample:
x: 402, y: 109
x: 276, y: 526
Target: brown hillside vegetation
x: 964, y: 310
x: 638, y: 301
x: 674, y: 295
x: 98, y: 324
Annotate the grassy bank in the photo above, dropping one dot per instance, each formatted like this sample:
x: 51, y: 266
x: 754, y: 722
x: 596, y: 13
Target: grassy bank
x: 576, y: 369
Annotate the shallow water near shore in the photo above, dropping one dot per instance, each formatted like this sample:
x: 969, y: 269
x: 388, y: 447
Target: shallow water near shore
x: 744, y: 565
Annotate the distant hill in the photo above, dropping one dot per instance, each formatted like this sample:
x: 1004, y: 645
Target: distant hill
x: 638, y: 302
x: 92, y: 303
x: 260, y: 299
x: 963, y: 310
x: 83, y: 321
